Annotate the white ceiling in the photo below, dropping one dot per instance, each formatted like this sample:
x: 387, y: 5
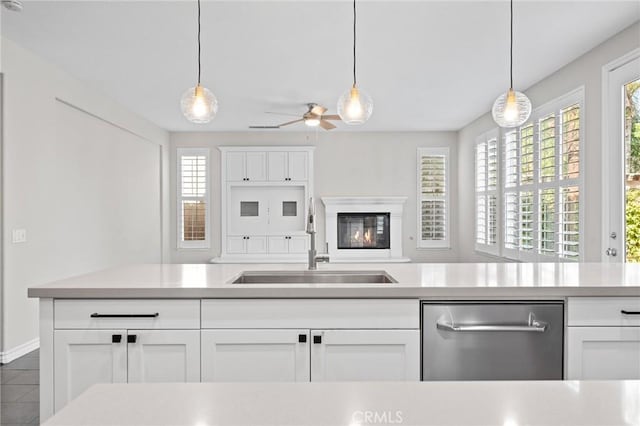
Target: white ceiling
x: 429, y: 65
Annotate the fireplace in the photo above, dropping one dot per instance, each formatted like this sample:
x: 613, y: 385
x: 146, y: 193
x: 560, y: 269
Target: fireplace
x: 363, y: 231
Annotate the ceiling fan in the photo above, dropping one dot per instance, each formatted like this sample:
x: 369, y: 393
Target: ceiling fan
x: 314, y: 117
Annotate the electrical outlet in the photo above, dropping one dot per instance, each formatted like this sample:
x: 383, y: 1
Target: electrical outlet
x: 19, y: 236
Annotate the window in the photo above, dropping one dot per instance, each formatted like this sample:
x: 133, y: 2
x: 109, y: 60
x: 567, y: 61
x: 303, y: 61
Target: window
x: 433, y: 199
x: 193, y: 198
x: 542, y: 183
x: 487, y: 193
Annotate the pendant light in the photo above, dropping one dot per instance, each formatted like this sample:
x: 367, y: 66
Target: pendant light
x: 355, y: 106
x: 511, y: 109
x: 199, y: 105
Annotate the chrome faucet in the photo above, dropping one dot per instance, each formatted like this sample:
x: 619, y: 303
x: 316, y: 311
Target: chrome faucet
x: 314, y: 257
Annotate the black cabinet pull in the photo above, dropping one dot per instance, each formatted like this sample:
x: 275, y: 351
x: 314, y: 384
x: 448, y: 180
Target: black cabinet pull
x: 116, y: 338
x: 625, y: 312
x: 131, y: 338
x: 317, y: 339
x: 302, y: 338
x: 97, y: 315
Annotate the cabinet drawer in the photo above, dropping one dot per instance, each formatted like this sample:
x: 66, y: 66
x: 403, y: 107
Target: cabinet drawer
x: 603, y: 311
x: 126, y: 314
x: 311, y: 313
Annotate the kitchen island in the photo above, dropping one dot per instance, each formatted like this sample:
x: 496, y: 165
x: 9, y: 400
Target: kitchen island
x: 568, y: 403
x: 191, y: 323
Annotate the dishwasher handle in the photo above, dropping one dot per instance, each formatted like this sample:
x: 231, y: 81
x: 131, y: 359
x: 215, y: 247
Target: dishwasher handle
x: 534, y: 326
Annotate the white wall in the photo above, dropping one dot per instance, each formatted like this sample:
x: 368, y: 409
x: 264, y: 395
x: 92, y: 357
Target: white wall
x: 585, y: 71
x: 82, y: 175
x: 346, y: 163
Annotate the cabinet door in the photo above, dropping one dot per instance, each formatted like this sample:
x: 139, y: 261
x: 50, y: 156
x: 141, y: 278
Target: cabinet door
x: 609, y: 353
x: 256, y: 166
x: 365, y: 355
x: 256, y: 245
x: 255, y: 355
x: 298, y: 244
x: 86, y: 357
x: 298, y: 166
x: 164, y: 356
x: 236, y: 245
x: 235, y: 166
x: 278, y: 166
x: 278, y: 245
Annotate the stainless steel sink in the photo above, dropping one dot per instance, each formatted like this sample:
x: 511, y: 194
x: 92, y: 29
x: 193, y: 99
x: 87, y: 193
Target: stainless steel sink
x: 314, y: 277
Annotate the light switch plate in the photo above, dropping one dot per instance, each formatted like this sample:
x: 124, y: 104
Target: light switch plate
x: 19, y: 236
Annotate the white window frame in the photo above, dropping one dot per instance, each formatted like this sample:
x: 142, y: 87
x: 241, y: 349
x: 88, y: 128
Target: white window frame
x: 554, y: 107
x: 206, y: 243
x: 486, y: 192
x: 446, y: 242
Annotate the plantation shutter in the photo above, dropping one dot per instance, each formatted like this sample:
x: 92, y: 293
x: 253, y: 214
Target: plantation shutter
x: 434, y: 197
x: 193, y: 202
x: 487, y: 163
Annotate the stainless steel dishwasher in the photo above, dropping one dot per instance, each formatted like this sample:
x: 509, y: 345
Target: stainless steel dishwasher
x: 492, y: 340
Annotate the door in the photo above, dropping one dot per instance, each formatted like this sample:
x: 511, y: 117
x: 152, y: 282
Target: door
x: 256, y: 245
x: 163, y: 356
x: 298, y: 244
x: 256, y: 166
x: 236, y: 245
x: 621, y: 153
x: 365, y: 355
x: 255, y: 355
x: 86, y: 357
x: 298, y: 166
x: 603, y: 353
x: 235, y: 166
x: 278, y: 166
x: 278, y: 245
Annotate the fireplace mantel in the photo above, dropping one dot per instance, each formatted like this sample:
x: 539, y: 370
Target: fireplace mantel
x: 392, y: 205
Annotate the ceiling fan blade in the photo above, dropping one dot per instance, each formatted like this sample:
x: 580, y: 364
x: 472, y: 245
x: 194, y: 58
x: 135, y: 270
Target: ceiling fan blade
x: 331, y: 117
x: 317, y: 110
x: 291, y: 122
x: 264, y: 127
x: 326, y: 125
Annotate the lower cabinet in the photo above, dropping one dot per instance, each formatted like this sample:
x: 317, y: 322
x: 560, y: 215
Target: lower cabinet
x: 238, y: 355
x: 603, y: 353
x: 86, y: 357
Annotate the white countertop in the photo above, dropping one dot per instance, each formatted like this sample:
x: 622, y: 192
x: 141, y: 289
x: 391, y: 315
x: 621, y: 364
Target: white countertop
x: 415, y: 280
x: 601, y: 403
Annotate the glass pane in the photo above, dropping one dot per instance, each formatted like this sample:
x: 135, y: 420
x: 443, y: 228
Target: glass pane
x: 547, y: 221
x: 194, y: 175
x: 249, y: 208
x: 526, y: 155
x: 193, y: 220
x: 526, y: 221
x: 632, y: 169
x: 547, y: 148
x: 571, y: 142
x: 289, y: 208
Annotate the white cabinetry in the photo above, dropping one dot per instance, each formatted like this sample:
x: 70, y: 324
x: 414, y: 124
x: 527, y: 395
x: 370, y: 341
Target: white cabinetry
x: 263, y: 202
x: 603, y: 338
x: 301, y: 340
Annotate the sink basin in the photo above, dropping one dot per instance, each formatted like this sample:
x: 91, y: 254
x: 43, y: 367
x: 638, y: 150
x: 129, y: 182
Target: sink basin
x: 314, y: 277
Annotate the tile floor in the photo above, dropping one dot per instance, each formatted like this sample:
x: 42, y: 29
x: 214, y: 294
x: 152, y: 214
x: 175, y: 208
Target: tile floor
x: 19, y: 391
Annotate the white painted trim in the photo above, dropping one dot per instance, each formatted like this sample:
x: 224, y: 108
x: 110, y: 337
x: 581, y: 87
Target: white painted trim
x: 18, y: 351
x: 605, y: 152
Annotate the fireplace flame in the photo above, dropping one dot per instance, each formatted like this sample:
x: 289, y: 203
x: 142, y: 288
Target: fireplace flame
x: 356, y: 236
x: 367, y: 236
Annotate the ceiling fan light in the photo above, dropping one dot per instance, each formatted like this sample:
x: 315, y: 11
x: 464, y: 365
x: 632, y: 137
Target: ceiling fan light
x: 312, y: 122
x: 511, y: 109
x: 199, y: 105
x: 355, y: 106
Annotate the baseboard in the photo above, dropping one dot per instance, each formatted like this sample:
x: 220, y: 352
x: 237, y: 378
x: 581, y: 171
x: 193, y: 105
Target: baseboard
x: 15, y: 353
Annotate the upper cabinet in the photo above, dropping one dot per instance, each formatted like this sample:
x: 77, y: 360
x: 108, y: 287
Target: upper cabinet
x: 288, y: 166
x: 248, y: 166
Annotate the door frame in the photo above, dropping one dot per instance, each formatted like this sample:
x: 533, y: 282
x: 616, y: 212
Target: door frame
x: 609, y: 133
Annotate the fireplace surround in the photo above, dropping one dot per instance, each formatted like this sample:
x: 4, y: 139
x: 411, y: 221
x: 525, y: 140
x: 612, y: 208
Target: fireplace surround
x: 364, y: 229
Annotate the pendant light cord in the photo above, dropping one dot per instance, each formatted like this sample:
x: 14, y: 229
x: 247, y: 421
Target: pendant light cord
x: 199, y: 64
x: 511, y: 50
x: 354, y: 43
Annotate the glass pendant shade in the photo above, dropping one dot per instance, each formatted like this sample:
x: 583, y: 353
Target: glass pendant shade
x: 199, y: 105
x: 355, y: 106
x: 511, y: 109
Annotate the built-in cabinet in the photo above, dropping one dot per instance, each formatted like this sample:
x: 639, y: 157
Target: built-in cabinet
x: 264, y: 197
x: 603, y: 338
